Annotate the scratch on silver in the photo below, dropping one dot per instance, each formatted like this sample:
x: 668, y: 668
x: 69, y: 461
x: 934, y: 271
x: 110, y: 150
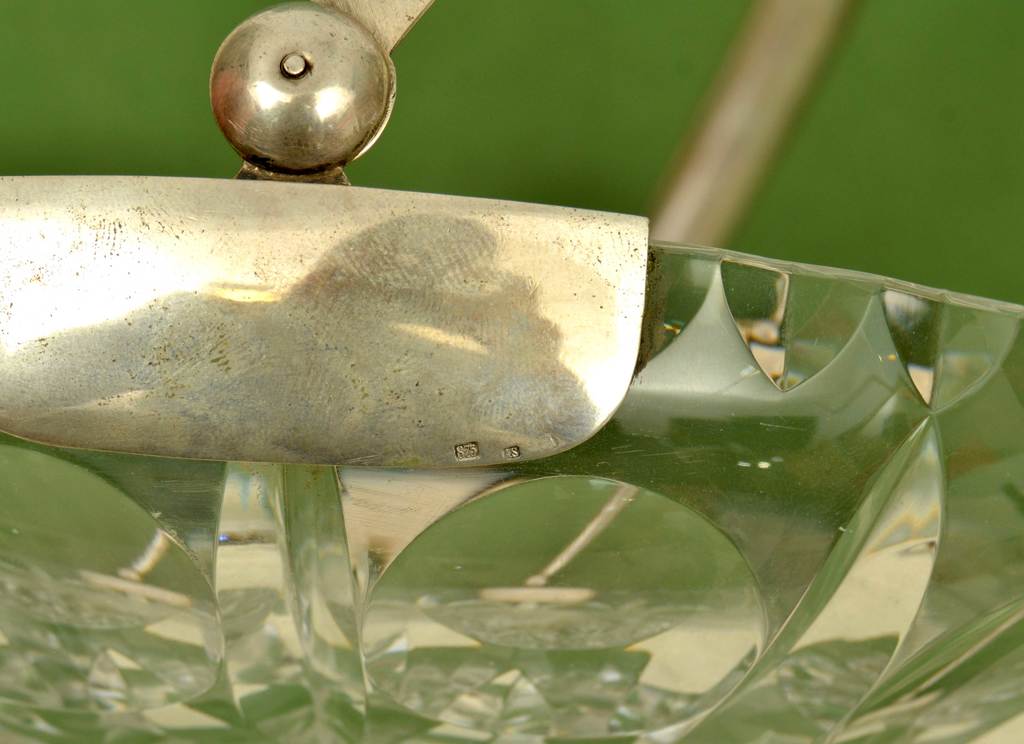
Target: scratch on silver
x: 258, y: 321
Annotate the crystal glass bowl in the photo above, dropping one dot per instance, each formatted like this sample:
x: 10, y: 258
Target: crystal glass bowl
x: 804, y: 524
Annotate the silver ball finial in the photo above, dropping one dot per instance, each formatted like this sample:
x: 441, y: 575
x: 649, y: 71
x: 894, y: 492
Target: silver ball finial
x: 301, y: 89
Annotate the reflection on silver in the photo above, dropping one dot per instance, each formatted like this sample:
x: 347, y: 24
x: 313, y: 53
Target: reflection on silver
x: 299, y: 90
x: 281, y: 322
x: 283, y: 120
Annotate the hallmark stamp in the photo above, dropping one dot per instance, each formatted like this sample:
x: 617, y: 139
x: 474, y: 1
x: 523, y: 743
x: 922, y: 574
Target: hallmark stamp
x: 467, y: 451
x: 513, y: 452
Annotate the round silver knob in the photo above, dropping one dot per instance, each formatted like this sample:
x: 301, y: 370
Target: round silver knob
x: 301, y: 89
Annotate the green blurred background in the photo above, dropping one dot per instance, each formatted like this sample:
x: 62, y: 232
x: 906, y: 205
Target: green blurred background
x: 908, y: 159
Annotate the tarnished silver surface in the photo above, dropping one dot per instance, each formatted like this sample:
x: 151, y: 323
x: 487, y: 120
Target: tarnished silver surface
x: 303, y: 323
x: 389, y: 20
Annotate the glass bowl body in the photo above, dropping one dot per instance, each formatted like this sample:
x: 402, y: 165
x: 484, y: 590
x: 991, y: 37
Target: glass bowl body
x: 805, y: 523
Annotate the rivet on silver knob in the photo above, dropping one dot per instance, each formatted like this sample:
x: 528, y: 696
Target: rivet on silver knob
x: 294, y: 66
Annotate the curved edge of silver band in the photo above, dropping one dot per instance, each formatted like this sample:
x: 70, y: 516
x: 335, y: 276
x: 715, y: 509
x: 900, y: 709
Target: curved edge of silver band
x: 252, y: 321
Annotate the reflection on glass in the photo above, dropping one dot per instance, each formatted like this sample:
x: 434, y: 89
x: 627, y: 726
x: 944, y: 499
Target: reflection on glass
x: 576, y: 615
x: 102, y: 610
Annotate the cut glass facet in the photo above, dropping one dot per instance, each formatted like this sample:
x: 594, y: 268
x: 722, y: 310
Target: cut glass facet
x: 804, y: 524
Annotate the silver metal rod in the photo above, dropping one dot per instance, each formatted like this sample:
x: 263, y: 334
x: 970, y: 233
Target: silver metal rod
x: 771, y: 67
